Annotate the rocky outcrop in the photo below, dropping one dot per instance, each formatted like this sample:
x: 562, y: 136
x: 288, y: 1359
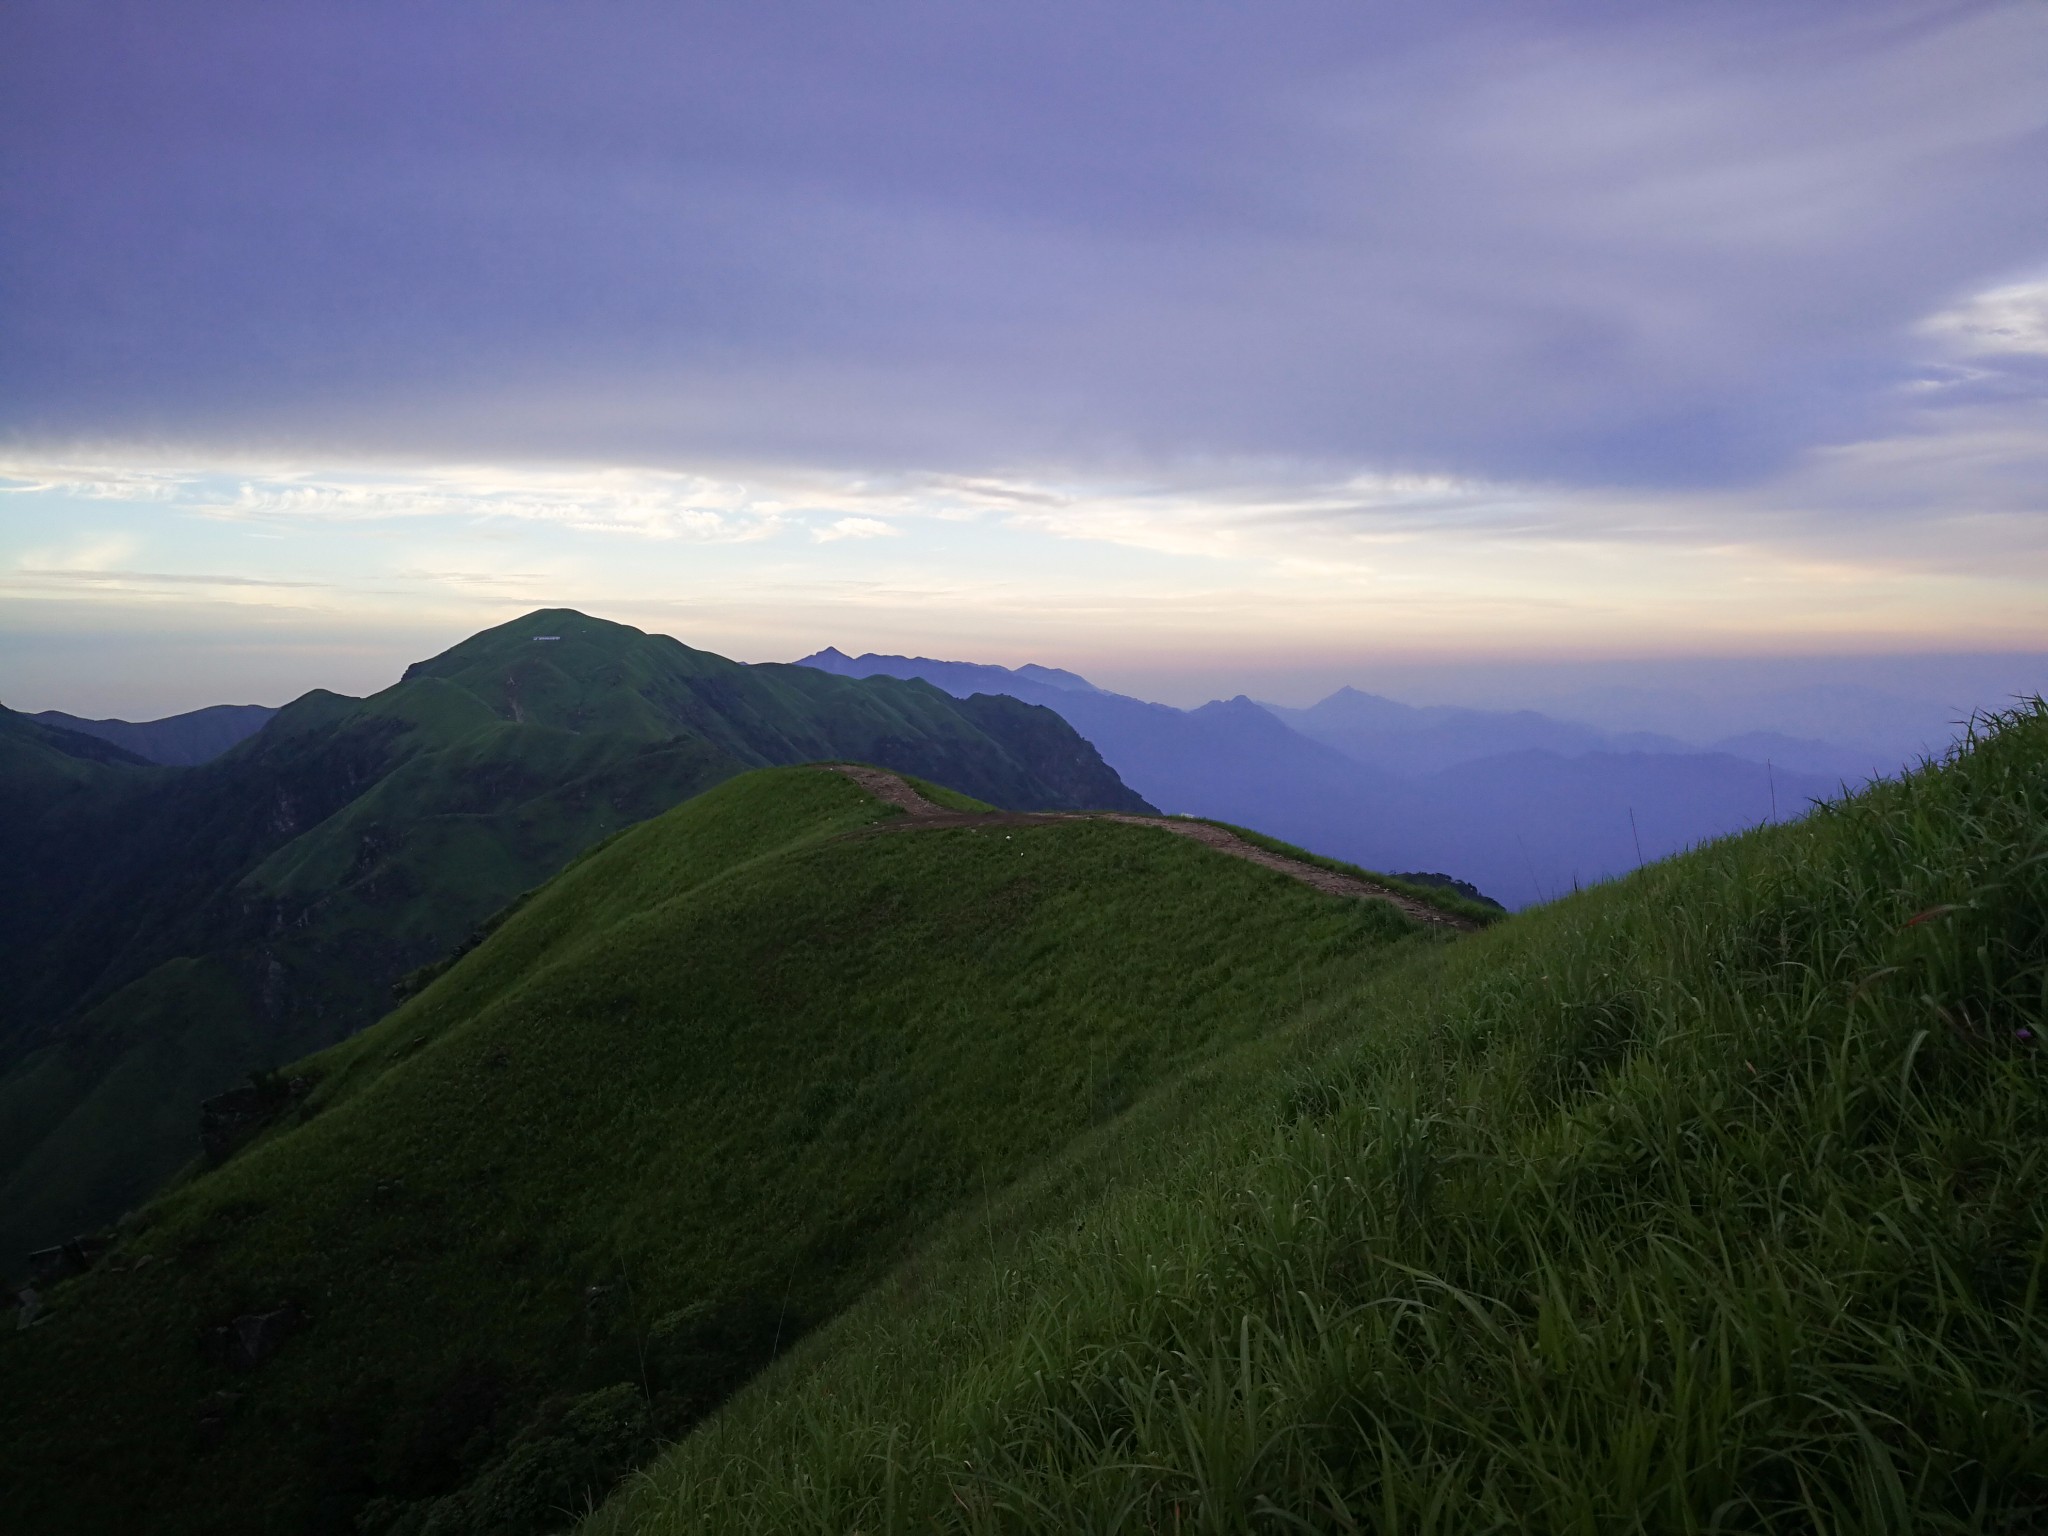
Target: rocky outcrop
x: 229, y: 1121
x: 47, y: 1266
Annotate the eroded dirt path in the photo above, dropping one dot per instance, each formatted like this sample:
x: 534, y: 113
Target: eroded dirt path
x: 923, y: 814
x: 888, y: 787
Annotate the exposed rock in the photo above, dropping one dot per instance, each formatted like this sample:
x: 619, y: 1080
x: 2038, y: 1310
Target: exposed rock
x: 254, y: 1337
x: 47, y: 1266
x: 229, y: 1121
x: 31, y: 1307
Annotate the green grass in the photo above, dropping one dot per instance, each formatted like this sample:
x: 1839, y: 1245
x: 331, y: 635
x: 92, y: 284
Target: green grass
x: 1712, y: 1199
x: 1440, y: 897
x: 684, y: 1105
x: 354, y: 841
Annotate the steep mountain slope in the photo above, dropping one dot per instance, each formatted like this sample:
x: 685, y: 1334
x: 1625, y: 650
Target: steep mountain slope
x: 169, y: 930
x: 182, y: 741
x: 1711, y: 1199
x: 682, y: 1106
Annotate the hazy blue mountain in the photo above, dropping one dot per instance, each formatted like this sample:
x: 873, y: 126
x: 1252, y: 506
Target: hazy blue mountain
x: 1231, y: 759
x: 1889, y: 728
x: 956, y: 677
x: 1417, y: 739
x: 1519, y: 804
x: 1849, y: 765
x: 181, y: 741
x: 1536, y: 823
x: 1413, y: 739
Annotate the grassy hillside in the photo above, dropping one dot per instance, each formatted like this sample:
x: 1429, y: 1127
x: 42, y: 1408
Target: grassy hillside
x: 164, y: 931
x: 679, y: 1109
x: 1713, y: 1199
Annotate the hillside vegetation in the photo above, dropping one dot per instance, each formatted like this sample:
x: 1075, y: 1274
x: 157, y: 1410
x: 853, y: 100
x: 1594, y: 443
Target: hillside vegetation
x: 164, y: 931
x: 680, y: 1108
x: 1713, y: 1199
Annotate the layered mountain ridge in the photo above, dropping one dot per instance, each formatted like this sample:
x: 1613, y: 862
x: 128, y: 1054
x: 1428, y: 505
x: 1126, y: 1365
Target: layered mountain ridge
x: 179, y: 741
x: 1518, y: 804
x: 831, y: 1152
x: 167, y: 929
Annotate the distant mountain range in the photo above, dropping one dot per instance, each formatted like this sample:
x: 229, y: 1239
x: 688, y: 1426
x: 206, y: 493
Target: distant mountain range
x: 796, y: 1161
x: 1412, y: 739
x: 827, y: 1152
x: 1519, y: 804
x: 176, y: 740
x: 182, y: 900
x: 164, y: 930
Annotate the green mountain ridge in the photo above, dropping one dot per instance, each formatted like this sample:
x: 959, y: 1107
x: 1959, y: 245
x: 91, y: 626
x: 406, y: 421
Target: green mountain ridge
x: 1074, y: 1176
x: 677, y: 1110
x: 167, y: 930
x: 1708, y: 1199
x: 769, y: 1170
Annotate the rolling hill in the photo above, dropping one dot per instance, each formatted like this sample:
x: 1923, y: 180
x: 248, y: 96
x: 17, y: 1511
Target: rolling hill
x: 681, y: 1107
x: 1708, y: 1199
x: 166, y: 930
x: 992, y: 1176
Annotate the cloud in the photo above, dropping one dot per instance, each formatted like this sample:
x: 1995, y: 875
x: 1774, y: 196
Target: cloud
x: 31, y: 575
x: 644, y: 503
x: 94, y: 554
x: 1671, y: 249
x: 2009, y: 319
x: 856, y: 528
x: 95, y: 483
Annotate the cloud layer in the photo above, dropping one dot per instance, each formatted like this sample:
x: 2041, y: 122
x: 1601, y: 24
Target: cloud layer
x: 1303, y: 324
x: 1562, y: 243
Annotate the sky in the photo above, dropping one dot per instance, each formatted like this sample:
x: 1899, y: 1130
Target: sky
x: 1202, y: 348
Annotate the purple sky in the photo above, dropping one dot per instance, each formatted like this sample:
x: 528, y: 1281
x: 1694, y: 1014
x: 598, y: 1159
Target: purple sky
x: 1292, y: 289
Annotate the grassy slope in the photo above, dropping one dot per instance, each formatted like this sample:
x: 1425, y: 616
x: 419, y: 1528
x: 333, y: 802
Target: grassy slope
x: 681, y: 1107
x: 1715, y: 1198
x: 244, y: 913
x: 1448, y: 900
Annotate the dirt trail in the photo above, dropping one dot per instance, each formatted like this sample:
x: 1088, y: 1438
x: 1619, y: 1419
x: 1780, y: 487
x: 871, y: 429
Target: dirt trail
x: 886, y: 786
x: 922, y: 813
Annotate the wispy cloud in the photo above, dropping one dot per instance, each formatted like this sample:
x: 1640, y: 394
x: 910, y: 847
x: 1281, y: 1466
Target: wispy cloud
x: 855, y: 528
x: 639, y: 503
x: 123, y: 579
x: 2009, y: 319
